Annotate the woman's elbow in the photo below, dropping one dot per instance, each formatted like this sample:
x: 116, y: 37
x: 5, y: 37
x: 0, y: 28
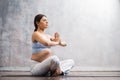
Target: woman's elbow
x: 47, y: 44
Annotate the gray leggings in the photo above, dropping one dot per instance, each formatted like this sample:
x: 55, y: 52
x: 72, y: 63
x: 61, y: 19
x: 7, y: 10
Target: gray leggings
x: 50, y: 65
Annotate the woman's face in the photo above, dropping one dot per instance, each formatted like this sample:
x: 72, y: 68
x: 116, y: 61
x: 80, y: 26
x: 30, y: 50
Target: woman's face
x: 43, y: 23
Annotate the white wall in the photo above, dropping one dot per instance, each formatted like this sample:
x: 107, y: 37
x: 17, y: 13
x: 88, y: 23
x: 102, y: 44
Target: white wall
x: 91, y: 28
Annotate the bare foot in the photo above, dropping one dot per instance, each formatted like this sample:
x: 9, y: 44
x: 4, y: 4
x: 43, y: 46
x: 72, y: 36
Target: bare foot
x: 57, y: 72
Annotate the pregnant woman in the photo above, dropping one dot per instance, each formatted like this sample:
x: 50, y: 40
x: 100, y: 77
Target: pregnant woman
x: 47, y: 63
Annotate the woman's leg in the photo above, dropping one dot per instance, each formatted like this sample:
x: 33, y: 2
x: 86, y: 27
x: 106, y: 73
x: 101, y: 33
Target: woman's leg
x: 66, y: 65
x: 49, y: 64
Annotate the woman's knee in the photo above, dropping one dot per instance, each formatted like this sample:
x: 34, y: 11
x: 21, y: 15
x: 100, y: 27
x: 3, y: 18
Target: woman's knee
x: 71, y: 61
x: 55, y: 59
x: 55, y: 63
x: 68, y: 62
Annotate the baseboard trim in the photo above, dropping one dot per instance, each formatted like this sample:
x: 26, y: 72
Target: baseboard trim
x: 79, y: 68
x: 76, y: 68
x: 14, y: 68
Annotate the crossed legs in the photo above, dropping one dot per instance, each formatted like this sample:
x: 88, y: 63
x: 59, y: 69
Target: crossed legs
x: 53, y: 65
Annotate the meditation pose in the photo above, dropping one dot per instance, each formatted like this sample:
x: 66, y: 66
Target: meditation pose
x: 47, y: 63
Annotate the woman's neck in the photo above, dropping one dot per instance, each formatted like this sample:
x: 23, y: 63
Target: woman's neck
x: 40, y: 30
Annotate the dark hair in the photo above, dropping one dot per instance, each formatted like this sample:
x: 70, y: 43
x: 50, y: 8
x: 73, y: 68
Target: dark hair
x: 37, y: 19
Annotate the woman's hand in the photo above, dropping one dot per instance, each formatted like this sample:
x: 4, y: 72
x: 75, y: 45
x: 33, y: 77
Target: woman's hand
x: 56, y: 37
x: 62, y: 43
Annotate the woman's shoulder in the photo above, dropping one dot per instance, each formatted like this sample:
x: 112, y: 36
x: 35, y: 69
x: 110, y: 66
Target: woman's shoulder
x: 36, y: 33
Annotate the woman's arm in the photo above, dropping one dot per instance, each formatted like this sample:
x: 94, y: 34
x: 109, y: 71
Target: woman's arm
x: 40, y: 38
x: 57, y: 38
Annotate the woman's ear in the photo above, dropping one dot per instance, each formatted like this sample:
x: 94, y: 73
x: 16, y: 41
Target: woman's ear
x: 37, y: 23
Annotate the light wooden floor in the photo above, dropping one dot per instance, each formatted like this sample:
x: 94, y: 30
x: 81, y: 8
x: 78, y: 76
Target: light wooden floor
x: 71, y: 76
